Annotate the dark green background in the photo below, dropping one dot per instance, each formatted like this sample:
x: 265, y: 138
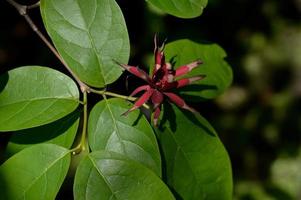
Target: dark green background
x: 258, y: 118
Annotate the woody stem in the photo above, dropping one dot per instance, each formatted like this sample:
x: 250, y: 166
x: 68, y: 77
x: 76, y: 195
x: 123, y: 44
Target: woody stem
x: 22, y: 9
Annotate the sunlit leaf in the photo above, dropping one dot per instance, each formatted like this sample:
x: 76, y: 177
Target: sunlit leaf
x: 33, y: 96
x: 218, y: 72
x: 108, y: 175
x: 61, y: 132
x: 197, y: 164
x: 89, y: 35
x: 34, y: 173
x: 181, y: 8
x: 130, y: 135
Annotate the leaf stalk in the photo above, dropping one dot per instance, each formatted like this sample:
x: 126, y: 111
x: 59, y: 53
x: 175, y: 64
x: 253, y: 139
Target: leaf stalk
x: 82, y: 144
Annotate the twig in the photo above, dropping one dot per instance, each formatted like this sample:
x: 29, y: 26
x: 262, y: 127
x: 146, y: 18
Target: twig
x: 106, y: 93
x: 22, y: 9
x: 36, y: 5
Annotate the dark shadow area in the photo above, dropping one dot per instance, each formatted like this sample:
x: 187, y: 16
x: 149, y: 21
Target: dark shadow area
x: 197, y: 88
x: 37, y: 135
x: 192, y: 99
x: 67, y: 188
x: 4, y: 138
x: 3, y: 81
x: 192, y: 117
x: 137, y: 120
x: 176, y: 194
x: 173, y: 60
x: 168, y: 118
x: 3, y: 185
x: 277, y: 193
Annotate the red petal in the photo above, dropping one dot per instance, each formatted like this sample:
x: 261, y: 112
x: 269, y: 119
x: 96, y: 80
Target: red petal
x: 157, y: 98
x: 155, y: 42
x: 179, y: 101
x: 144, y: 98
x: 136, y: 71
x: 187, y: 68
x: 139, y: 89
x: 186, y: 81
x: 159, y: 55
x: 159, y: 60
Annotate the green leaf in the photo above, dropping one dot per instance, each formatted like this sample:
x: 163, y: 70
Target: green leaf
x: 197, y: 164
x: 218, y: 72
x: 89, y: 35
x: 181, y: 8
x: 61, y: 132
x: 34, y: 173
x: 33, y: 96
x: 108, y: 175
x: 129, y: 135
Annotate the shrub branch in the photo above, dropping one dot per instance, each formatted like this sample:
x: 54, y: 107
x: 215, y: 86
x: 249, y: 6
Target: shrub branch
x: 22, y: 9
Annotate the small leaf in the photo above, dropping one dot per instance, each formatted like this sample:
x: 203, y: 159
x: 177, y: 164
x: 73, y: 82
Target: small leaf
x: 89, y: 35
x: 129, y: 135
x: 34, y: 173
x: 181, y: 8
x: 197, y: 164
x: 108, y: 175
x: 218, y: 72
x: 34, y: 96
x: 61, y: 132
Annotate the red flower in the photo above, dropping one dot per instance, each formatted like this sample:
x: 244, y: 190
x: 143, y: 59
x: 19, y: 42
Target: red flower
x: 161, y: 82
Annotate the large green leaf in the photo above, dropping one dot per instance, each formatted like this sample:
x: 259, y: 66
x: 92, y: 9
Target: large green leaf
x: 130, y: 135
x: 181, y: 8
x: 34, y: 173
x: 218, y: 72
x: 197, y: 164
x: 61, y: 132
x: 89, y: 35
x: 33, y: 96
x: 107, y: 175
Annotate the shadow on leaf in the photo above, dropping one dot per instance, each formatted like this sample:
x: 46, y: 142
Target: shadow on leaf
x: 192, y: 117
x: 137, y: 120
x: 169, y: 116
x: 36, y: 135
x: 46, y: 133
x: 198, y: 88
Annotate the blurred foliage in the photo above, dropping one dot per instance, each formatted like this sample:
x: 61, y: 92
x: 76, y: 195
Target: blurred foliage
x: 258, y: 118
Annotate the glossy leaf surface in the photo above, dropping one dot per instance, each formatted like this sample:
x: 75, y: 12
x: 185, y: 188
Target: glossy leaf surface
x: 31, y: 96
x: 197, y: 164
x: 61, y: 132
x: 89, y: 35
x: 218, y: 72
x: 34, y: 173
x: 130, y: 135
x: 181, y: 8
x: 107, y: 175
